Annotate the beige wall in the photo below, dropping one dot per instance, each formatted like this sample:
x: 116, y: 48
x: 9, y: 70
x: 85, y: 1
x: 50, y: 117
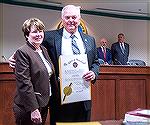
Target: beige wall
x: 1, y: 32
x: 136, y: 31
x: 148, y: 43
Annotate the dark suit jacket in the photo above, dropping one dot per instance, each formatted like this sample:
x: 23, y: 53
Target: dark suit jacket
x: 53, y: 41
x: 119, y: 58
x: 108, y: 55
x: 32, y: 78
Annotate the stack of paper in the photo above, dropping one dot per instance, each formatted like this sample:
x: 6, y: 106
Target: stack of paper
x: 137, y: 117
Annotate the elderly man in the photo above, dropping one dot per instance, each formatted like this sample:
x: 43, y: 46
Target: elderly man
x: 104, y: 53
x: 59, y: 42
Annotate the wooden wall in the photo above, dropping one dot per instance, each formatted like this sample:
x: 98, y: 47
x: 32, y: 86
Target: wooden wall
x: 118, y: 89
x: 7, y: 91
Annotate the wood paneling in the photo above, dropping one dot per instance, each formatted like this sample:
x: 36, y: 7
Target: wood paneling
x: 103, y: 98
x: 130, y: 95
x: 7, y: 91
x: 118, y: 89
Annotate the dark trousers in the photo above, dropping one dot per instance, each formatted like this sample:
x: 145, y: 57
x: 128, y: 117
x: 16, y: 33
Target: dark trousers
x: 73, y: 112
x: 24, y: 118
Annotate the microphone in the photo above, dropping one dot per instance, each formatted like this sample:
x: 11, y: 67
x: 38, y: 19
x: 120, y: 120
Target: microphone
x: 116, y: 60
x: 4, y: 58
x: 101, y: 61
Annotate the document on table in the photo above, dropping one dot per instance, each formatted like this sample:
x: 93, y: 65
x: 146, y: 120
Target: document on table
x: 72, y: 86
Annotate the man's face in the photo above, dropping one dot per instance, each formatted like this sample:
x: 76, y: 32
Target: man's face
x: 120, y: 38
x: 71, y: 20
x: 103, y: 42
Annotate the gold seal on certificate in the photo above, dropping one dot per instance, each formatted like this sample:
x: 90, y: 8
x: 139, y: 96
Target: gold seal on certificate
x: 72, y: 85
x: 67, y: 91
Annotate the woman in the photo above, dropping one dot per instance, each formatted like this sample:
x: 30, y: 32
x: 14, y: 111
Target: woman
x: 35, y: 78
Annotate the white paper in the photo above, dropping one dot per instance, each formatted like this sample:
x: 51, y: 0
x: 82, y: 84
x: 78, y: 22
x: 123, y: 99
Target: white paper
x: 144, y: 112
x: 72, y: 68
x: 133, y: 118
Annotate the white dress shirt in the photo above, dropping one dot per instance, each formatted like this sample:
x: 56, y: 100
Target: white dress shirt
x: 66, y: 48
x: 48, y: 67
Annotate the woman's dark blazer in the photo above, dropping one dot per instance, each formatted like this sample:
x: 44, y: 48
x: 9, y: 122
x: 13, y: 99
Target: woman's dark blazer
x: 32, y: 78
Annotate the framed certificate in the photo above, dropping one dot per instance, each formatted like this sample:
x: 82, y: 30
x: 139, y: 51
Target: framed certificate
x: 72, y: 86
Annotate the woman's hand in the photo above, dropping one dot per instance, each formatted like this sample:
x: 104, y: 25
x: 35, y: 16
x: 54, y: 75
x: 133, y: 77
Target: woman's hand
x: 36, y: 116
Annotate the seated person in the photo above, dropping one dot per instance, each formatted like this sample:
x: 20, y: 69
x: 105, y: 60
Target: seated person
x: 104, y: 53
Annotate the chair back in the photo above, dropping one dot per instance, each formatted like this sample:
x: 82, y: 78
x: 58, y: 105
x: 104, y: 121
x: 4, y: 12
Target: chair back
x: 136, y: 63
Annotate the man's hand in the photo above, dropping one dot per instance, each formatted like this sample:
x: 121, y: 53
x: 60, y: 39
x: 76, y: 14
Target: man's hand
x: 90, y: 75
x: 36, y: 117
x: 12, y: 61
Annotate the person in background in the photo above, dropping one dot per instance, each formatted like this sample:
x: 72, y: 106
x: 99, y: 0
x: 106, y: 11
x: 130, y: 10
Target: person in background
x: 104, y: 53
x: 35, y: 76
x: 120, y: 51
x: 59, y: 42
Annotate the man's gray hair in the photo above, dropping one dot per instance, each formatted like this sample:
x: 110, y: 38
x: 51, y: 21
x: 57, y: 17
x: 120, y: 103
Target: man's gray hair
x: 71, y: 6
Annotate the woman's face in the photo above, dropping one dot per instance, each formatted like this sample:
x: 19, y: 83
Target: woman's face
x: 35, y: 36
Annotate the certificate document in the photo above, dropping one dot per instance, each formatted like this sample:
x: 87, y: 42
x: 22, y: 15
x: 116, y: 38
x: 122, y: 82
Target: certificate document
x: 72, y: 86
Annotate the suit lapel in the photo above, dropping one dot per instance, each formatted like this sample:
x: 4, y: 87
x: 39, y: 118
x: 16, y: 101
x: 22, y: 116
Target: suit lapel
x: 58, y: 42
x: 120, y: 47
x: 126, y: 48
x: 85, y: 41
x: 44, y: 53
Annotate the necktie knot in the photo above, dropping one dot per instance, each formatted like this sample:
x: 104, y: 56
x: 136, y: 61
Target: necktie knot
x: 75, y: 48
x: 122, y: 47
x: 72, y: 36
x: 104, y: 49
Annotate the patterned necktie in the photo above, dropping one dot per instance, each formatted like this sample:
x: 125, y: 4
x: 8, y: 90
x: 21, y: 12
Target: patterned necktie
x: 104, y: 51
x: 75, y: 48
x: 122, y: 48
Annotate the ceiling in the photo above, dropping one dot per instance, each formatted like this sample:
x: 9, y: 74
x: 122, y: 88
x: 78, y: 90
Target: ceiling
x: 133, y: 7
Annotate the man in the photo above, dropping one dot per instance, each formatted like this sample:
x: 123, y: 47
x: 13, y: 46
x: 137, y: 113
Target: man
x: 104, y: 53
x: 120, y: 51
x: 58, y: 42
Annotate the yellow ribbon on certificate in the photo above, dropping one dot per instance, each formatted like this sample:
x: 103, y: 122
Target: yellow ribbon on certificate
x: 67, y: 91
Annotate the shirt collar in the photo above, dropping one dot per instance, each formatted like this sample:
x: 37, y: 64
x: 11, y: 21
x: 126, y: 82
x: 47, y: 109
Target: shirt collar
x: 67, y: 35
x: 121, y: 42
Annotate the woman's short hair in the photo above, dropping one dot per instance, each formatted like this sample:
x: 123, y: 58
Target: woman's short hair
x: 26, y: 27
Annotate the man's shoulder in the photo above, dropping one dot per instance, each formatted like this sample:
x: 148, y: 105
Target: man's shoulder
x: 108, y: 49
x: 115, y: 44
x: 89, y: 37
x: 51, y: 31
x: 126, y: 44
